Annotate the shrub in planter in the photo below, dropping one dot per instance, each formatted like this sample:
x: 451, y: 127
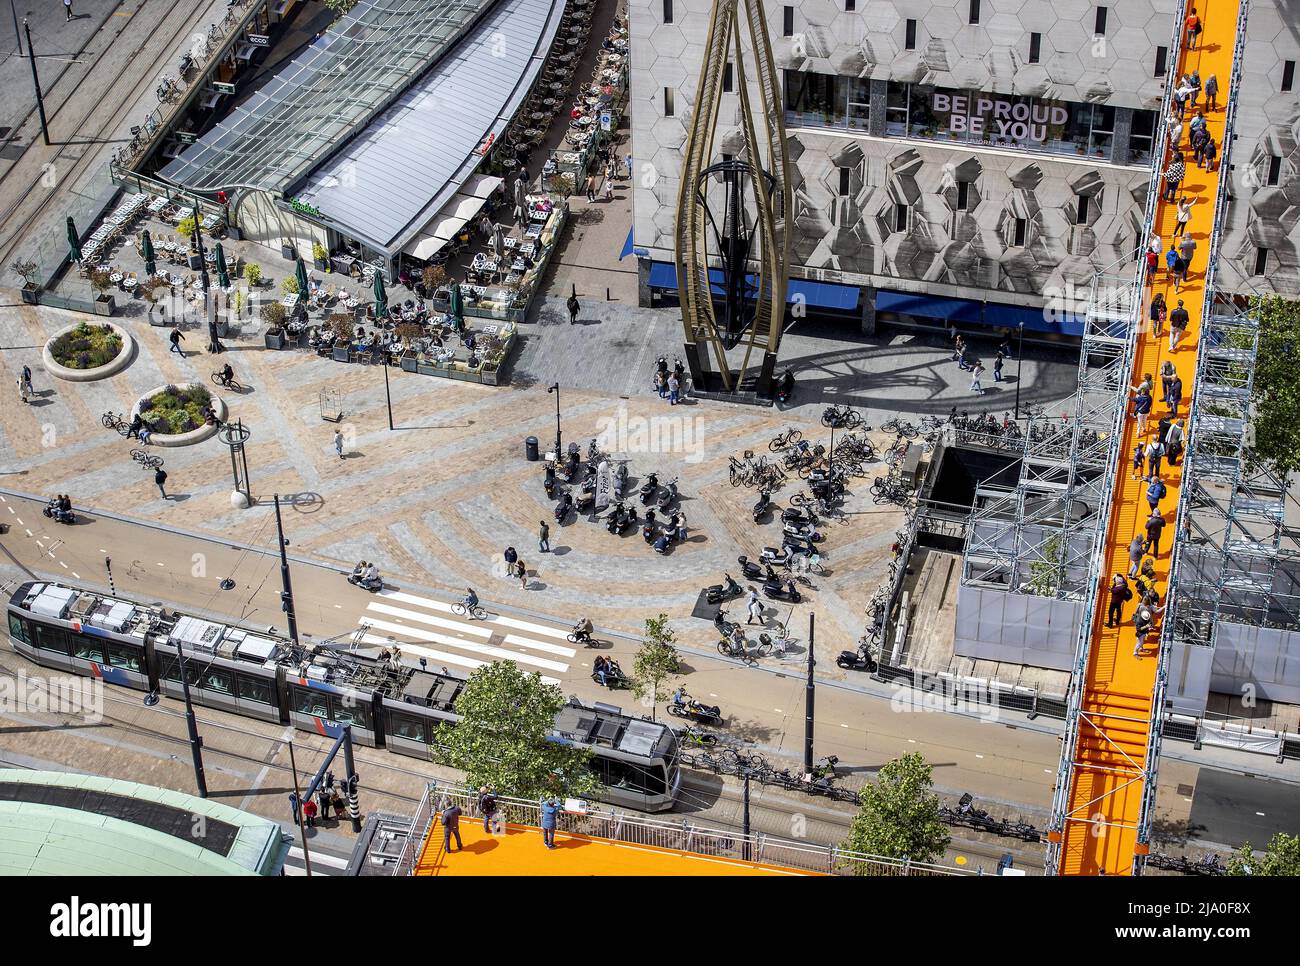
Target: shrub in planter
x: 342, y: 327
x: 434, y: 277
x: 320, y: 255
x: 253, y: 274
x: 174, y: 410
x: 274, y: 314
x: 289, y: 285
x: 86, y: 347
x: 185, y: 227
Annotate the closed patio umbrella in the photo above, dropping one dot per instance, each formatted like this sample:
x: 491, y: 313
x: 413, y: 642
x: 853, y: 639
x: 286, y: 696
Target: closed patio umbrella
x: 300, y: 273
x: 146, y: 251
x: 223, y: 276
x: 455, y: 309
x: 381, y: 297
x: 74, y: 245
x: 498, y: 241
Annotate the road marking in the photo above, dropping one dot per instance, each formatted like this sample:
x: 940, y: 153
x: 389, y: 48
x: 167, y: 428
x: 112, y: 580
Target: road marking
x: 322, y: 857
x: 1188, y: 800
x: 712, y: 695
x: 539, y: 645
x: 40, y: 543
x: 102, y: 550
x: 979, y: 756
x: 911, y: 741
x: 431, y: 620
x: 441, y: 657
x: 338, y: 606
x: 431, y: 604
x: 29, y: 533
x: 778, y: 711
x: 484, y: 649
x: 63, y: 565
x: 10, y: 509
x: 1260, y: 814
x: 20, y: 521
x: 160, y: 565
x: 76, y: 575
x: 843, y: 725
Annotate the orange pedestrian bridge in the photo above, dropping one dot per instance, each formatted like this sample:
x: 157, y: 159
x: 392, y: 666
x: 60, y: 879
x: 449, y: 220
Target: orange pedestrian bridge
x: 607, y: 843
x: 1111, y: 747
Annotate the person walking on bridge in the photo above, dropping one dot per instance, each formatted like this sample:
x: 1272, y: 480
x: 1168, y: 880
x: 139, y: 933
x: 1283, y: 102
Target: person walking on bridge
x: 1155, y: 526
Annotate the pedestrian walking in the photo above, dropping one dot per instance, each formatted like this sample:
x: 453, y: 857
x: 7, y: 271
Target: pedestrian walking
x: 176, y: 338
x: 22, y: 389
x: 572, y: 305
x: 1178, y: 320
x: 1200, y: 137
x: 1156, y: 491
x: 27, y: 380
x: 1155, y: 453
x: 1175, y: 440
x: 487, y: 806
x: 1171, y: 261
x: 1174, y: 175
x: 1119, y: 595
x: 550, y: 814
x: 1179, y: 272
x: 309, y: 812
x: 1184, y: 215
x: 1155, y: 526
x: 661, y: 384
x: 451, y: 826
x: 959, y: 353
x: 543, y: 537
x: 1139, y: 458
x: 521, y: 572
x: 1187, y: 248
x: 1212, y: 93
x: 1175, y: 393
x: 1153, y: 262
x: 609, y: 187
x: 1209, y: 153
x: 1175, y: 127
x: 1135, y: 551
x: 1167, y: 373
x: 754, y: 606
x: 1162, y: 430
x: 997, y: 367
x: 338, y: 442
x: 67, y: 8
x: 1141, y: 405
x: 674, y: 389
x: 591, y: 187
x: 1194, y: 28
x: 975, y: 373
x: 160, y: 478
x: 1158, y: 312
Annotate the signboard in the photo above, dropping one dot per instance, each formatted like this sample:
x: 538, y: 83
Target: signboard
x: 990, y: 116
x: 223, y: 88
x: 486, y: 145
x: 186, y: 137
x: 259, y: 40
x: 606, y: 120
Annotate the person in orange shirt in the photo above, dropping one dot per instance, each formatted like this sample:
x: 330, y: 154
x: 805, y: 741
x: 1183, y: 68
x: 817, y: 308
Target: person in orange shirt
x: 1193, y: 29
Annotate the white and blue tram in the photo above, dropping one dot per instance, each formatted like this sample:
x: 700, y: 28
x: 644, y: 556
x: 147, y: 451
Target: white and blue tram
x: 389, y: 704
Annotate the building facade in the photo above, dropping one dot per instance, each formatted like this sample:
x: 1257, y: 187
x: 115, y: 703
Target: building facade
x: 995, y: 153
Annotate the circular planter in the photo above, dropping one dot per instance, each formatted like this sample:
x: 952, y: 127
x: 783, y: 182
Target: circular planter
x: 122, y: 360
x: 194, y: 435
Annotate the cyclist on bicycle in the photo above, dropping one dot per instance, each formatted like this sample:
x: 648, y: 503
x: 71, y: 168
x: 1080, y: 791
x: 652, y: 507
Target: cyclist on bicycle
x: 582, y: 630
x: 471, y: 599
x: 737, y: 641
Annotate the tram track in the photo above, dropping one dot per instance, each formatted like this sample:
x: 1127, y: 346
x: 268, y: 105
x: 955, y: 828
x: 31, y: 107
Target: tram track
x: 21, y: 208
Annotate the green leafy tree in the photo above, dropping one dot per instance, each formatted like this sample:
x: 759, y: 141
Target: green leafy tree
x: 899, y: 817
x: 1275, y: 396
x: 1282, y: 857
x: 340, y: 7
x: 656, y: 663
x: 503, y: 739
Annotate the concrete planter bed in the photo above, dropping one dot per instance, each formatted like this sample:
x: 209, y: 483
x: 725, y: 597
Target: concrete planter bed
x: 110, y: 368
x: 191, y: 437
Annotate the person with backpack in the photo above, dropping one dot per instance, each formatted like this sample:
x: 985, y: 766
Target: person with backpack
x: 511, y: 556
x: 1155, y: 526
x: 1175, y: 440
x: 572, y: 306
x: 1155, y: 453
x: 1120, y: 594
x: 1194, y: 28
x: 160, y: 478
x: 1156, y: 491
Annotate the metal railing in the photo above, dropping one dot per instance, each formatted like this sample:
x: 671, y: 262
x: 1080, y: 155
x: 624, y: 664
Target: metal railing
x: 684, y: 836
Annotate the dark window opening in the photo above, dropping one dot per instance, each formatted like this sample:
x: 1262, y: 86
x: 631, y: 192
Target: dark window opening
x: 974, y: 11
x: 787, y: 21
x: 668, y: 11
x: 1100, y: 29
x: 668, y: 102
x: 1162, y: 61
x: 726, y: 78
x: 1261, y: 262
x: 1274, y: 170
x: 1035, y: 48
x: 1022, y: 230
x: 850, y: 5
x: 910, y: 42
x: 900, y: 217
x: 963, y: 195
x: 1082, y: 205
x: 1288, y: 74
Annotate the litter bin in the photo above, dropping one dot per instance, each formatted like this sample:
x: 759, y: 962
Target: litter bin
x: 530, y: 449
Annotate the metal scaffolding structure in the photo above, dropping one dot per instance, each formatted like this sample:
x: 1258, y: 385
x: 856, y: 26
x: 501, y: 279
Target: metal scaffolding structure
x: 1039, y: 536
x: 740, y: 255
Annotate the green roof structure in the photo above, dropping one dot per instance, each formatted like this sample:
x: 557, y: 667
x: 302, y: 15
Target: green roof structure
x: 56, y: 823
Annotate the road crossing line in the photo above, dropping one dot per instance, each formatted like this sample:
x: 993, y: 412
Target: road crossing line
x: 486, y: 650
x: 468, y: 629
x: 512, y: 622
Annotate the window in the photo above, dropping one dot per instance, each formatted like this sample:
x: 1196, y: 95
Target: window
x: 1081, y: 206
x: 910, y: 42
x: 170, y: 670
x: 1035, y: 48
x: 900, y: 217
x: 726, y: 78
x: 850, y: 5
x: 350, y: 710
x: 974, y: 11
x: 254, y: 689
x: 18, y: 629
x: 859, y: 113
x: 219, y: 680
x: 817, y: 100
x: 51, y: 639
x: 1288, y: 74
x: 1261, y: 262
x: 306, y: 701
x: 1021, y: 231
x: 1101, y: 129
x: 87, y: 649
x: 130, y: 657
x: 668, y: 102
x: 787, y: 21
x: 1274, y: 170
x: 844, y: 182
x: 1141, y: 137
x: 1100, y: 29
x: 1162, y: 61
x: 406, y: 726
x: 668, y: 11
x: 963, y: 195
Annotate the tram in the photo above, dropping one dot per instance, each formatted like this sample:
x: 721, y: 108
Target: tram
x: 389, y: 703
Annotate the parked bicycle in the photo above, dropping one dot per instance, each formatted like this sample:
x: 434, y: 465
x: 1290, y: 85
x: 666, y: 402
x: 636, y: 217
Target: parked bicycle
x: 844, y: 418
x: 112, y: 420
x: 784, y: 440
x: 147, y: 459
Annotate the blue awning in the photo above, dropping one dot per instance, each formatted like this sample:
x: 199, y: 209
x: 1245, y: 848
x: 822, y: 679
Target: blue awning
x: 970, y: 312
x: 821, y: 295
x: 627, y: 246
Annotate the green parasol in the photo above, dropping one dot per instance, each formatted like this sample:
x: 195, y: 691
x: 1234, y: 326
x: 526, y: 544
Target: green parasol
x: 223, y: 275
x: 300, y: 273
x: 455, y: 309
x: 146, y: 250
x: 381, y: 297
x: 74, y: 245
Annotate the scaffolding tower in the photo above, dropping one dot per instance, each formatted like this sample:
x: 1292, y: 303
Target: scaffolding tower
x: 1039, y: 536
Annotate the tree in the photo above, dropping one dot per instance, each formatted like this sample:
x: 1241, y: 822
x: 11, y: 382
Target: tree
x: 340, y: 7
x: 253, y: 273
x: 1275, y: 394
x: 273, y: 314
x: 1282, y: 857
x: 656, y: 661
x: 899, y: 817
x: 504, y: 738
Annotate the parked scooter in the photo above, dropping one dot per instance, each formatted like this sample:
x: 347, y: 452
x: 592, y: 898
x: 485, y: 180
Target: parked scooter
x: 649, y: 488
x: 804, y: 532
x: 669, y: 495
x: 727, y: 590
x: 753, y: 571
x: 763, y: 506
x: 620, y: 480
x: 858, y: 660
x: 548, y: 482
x: 563, y: 507
x: 585, y: 503
x: 778, y: 558
x: 620, y: 518
x: 786, y: 592
x: 785, y: 388
x: 798, y: 515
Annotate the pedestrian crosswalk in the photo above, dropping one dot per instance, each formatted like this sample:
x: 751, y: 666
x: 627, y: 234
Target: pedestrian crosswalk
x: 427, y: 628
x: 322, y: 863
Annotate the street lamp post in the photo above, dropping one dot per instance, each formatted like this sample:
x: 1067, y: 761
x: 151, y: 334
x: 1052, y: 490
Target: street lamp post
x: 36, y: 80
x: 556, y: 389
x: 286, y: 594
x: 191, y: 723
x: 810, y: 699
x: 1020, y: 355
x: 388, y: 395
x: 209, y: 308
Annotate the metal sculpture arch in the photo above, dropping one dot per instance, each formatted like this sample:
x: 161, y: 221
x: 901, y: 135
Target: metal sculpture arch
x: 732, y: 256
